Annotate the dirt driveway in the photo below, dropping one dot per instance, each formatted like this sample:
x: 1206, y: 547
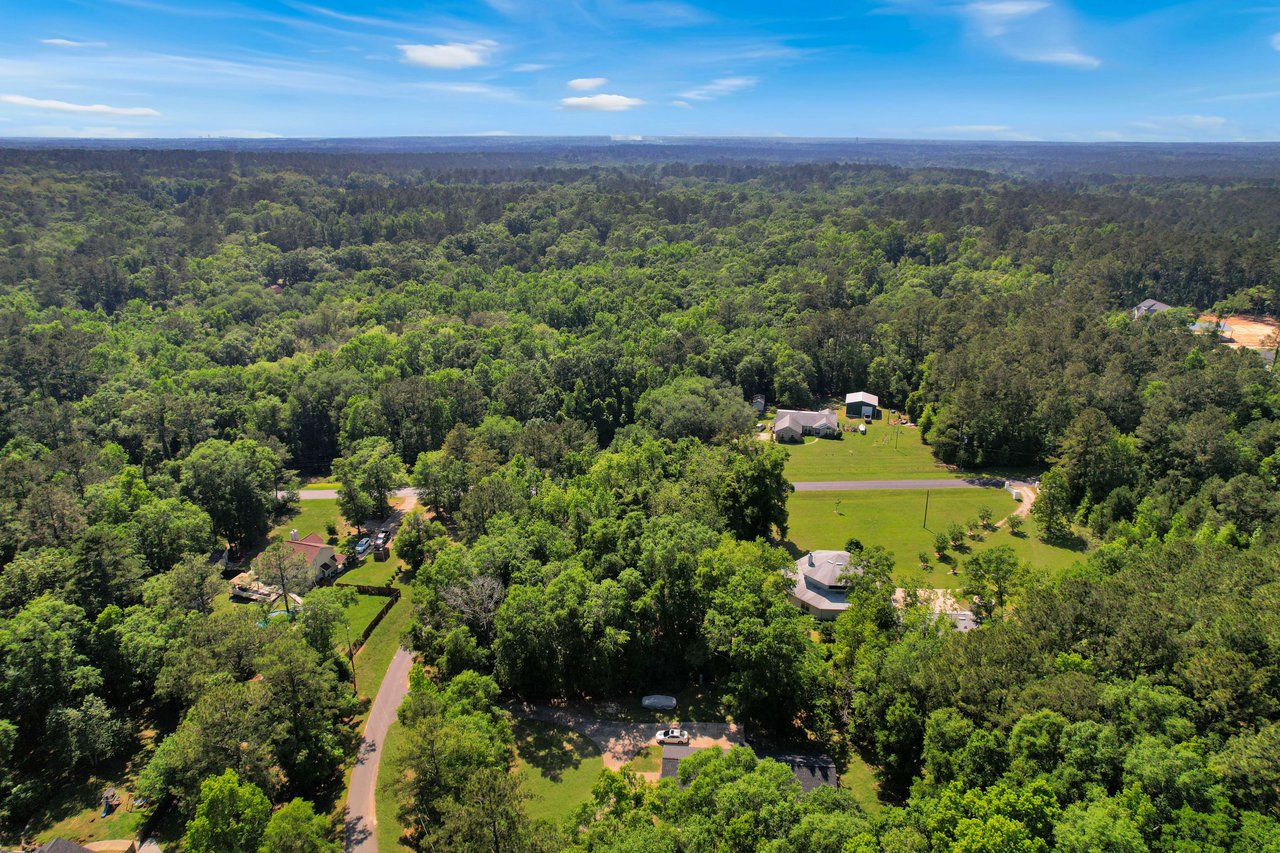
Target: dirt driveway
x: 620, y: 741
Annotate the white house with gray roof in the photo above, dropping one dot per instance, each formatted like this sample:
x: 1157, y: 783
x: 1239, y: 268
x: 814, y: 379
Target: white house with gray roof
x: 792, y: 425
x: 820, y: 589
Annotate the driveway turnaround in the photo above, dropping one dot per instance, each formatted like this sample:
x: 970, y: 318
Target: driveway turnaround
x: 362, y: 819
x: 875, y: 485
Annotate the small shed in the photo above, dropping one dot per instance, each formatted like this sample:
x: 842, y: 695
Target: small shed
x: 757, y: 403
x: 861, y: 404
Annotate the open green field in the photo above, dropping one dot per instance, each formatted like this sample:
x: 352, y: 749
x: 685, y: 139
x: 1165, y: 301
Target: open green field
x: 386, y: 803
x: 894, y: 518
x: 311, y: 516
x: 558, y: 766
x: 884, y: 453
x: 373, y: 573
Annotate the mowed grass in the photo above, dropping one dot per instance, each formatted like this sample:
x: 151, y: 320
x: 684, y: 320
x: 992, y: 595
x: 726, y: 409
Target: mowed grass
x: 360, y: 614
x: 387, y: 802
x: 311, y: 516
x: 893, y: 518
x: 884, y: 453
x: 557, y: 766
x: 859, y: 779
x: 375, y: 655
x: 373, y: 573
x: 647, y: 760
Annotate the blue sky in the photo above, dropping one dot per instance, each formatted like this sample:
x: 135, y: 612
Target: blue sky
x: 1082, y: 70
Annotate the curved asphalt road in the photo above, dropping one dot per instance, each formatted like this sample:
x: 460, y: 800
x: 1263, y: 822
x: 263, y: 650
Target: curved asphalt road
x: 362, y: 819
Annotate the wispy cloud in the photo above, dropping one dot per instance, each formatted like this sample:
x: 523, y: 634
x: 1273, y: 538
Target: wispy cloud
x: 70, y: 43
x: 453, y: 55
x: 586, y: 84
x: 684, y: 105
x: 530, y: 67
x: 48, y: 130
x: 1187, y: 122
x: 482, y: 90
x: 67, y: 107
x: 1275, y: 40
x: 719, y: 88
x: 1029, y: 30
x: 601, y: 103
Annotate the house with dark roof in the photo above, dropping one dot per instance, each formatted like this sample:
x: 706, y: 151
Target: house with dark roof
x: 811, y: 771
x: 819, y: 588
x: 1149, y: 306
x: 793, y: 425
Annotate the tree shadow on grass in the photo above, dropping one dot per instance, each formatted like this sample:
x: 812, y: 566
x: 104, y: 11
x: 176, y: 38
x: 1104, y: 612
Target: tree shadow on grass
x: 1068, y: 541
x: 551, y: 750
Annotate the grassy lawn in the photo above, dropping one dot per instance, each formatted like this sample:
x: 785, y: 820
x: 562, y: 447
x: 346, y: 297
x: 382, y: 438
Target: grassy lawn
x: 74, y: 810
x: 360, y: 614
x: 893, y: 517
x: 322, y: 485
x: 386, y: 803
x: 373, y: 573
x: 375, y: 655
x: 647, y: 760
x: 310, y: 517
x: 557, y: 766
x: 884, y: 453
x: 859, y: 779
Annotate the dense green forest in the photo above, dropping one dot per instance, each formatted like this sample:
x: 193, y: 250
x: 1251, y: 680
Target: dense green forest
x: 558, y: 358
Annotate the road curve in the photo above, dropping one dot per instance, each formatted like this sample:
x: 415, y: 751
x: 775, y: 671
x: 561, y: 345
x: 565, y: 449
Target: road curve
x: 359, y: 833
x: 877, y: 485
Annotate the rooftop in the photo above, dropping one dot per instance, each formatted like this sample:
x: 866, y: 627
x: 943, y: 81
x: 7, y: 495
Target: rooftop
x: 861, y: 397
x: 818, y: 580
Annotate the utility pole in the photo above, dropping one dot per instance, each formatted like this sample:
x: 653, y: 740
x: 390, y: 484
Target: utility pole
x: 925, y: 525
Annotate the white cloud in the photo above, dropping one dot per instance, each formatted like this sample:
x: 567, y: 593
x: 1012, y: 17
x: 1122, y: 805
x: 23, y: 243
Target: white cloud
x: 67, y: 107
x: 494, y: 133
x: 483, y: 90
x: 1275, y: 40
x: 682, y: 104
x: 529, y: 67
x: 1070, y: 58
x: 601, y: 103
x: 1197, y: 121
x: 586, y: 84
x: 995, y: 19
x: 719, y: 88
x: 453, y: 55
x: 70, y: 43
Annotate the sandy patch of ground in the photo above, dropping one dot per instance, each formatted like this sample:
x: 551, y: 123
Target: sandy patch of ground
x: 1248, y: 330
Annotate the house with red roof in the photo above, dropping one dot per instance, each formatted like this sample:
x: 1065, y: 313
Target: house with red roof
x: 324, y: 561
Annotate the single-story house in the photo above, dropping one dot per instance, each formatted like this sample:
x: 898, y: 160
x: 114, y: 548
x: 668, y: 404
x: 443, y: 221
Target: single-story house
x: 792, y: 425
x: 963, y: 620
x: 1149, y: 306
x: 820, y: 589
x: 757, y: 403
x: 318, y: 553
x: 861, y: 405
x: 811, y: 771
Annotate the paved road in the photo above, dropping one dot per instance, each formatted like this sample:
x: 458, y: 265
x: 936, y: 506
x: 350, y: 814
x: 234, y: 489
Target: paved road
x: 874, y: 485
x: 362, y: 819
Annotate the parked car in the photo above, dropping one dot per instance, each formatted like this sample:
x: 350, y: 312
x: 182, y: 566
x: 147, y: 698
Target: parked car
x: 658, y: 702
x: 679, y: 736
x: 362, y: 546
